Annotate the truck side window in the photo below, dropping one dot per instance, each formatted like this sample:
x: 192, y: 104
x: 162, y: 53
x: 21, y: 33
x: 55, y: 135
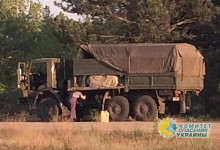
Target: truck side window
x: 38, y: 75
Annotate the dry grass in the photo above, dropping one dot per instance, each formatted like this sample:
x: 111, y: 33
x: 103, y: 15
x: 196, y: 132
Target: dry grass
x: 62, y: 136
x: 23, y: 116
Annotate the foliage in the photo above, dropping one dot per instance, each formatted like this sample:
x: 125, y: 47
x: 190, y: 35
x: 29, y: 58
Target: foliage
x: 19, y: 22
x: 143, y: 21
x: 2, y: 88
x: 94, y: 115
x: 70, y: 33
x: 26, y: 32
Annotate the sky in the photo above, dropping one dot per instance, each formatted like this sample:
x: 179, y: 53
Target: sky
x: 56, y: 10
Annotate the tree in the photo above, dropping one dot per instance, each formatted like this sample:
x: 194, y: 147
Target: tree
x: 25, y: 33
x: 17, y: 24
x: 70, y: 33
x: 143, y: 21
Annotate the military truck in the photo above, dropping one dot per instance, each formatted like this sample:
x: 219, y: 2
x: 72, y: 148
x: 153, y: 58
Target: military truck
x: 135, y: 80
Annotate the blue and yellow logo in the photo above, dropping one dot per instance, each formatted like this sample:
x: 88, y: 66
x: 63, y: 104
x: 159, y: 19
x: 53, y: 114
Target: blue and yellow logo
x: 167, y: 127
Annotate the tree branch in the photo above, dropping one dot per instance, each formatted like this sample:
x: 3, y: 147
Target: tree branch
x: 118, y: 17
x: 186, y: 21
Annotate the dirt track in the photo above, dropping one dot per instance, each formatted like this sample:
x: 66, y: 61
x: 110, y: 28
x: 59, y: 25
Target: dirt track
x: 98, y: 126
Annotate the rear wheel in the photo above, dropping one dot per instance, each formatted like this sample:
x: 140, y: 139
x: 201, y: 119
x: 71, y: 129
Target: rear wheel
x: 118, y: 108
x: 48, y: 109
x: 145, y: 108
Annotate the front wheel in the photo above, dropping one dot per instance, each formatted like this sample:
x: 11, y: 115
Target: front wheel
x: 145, y: 108
x: 48, y: 109
x: 118, y: 108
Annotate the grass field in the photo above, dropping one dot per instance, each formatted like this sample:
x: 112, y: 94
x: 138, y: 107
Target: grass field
x: 24, y: 136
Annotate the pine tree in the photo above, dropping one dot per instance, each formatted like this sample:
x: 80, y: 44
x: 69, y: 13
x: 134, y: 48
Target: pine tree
x: 144, y: 20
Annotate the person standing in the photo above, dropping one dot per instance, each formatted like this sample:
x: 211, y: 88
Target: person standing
x: 73, y: 98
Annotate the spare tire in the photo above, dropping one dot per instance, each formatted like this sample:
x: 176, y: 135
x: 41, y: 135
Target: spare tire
x: 48, y: 109
x: 145, y: 108
x: 118, y: 108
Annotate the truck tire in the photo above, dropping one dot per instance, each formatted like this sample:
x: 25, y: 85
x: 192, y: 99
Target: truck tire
x: 48, y: 109
x: 145, y: 108
x: 118, y: 108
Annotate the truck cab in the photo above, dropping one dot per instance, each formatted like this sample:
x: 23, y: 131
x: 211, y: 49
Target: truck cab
x: 38, y: 74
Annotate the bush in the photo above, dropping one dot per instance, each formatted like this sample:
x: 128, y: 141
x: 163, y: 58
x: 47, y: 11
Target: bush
x: 213, y: 105
x: 204, y: 108
x: 94, y: 115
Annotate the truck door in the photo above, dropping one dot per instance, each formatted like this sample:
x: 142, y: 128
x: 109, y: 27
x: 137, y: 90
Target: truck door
x: 22, y: 77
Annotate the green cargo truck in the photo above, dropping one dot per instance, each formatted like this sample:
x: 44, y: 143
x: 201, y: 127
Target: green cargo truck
x: 124, y: 79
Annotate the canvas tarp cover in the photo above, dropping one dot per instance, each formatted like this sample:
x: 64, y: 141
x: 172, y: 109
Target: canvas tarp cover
x: 183, y: 59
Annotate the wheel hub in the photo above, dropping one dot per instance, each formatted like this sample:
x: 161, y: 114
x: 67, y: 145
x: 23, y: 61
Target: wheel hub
x: 144, y: 109
x: 116, y: 109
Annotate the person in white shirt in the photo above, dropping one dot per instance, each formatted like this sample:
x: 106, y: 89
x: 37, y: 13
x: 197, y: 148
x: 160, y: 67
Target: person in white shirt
x: 73, y: 98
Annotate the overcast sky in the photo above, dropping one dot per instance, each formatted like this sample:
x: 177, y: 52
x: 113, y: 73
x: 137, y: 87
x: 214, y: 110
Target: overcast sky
x: 56, y: 10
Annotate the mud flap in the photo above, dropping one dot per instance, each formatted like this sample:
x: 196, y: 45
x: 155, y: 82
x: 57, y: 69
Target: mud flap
x: 188, y: 102
x: 162, y: 104
x: 182, y: 103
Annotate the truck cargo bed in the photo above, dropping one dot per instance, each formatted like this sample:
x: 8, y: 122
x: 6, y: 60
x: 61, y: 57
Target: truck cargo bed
x: 88, y: 67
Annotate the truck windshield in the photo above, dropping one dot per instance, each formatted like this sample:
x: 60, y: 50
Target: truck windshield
x: 39, y: 68
x: 38, y: 75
